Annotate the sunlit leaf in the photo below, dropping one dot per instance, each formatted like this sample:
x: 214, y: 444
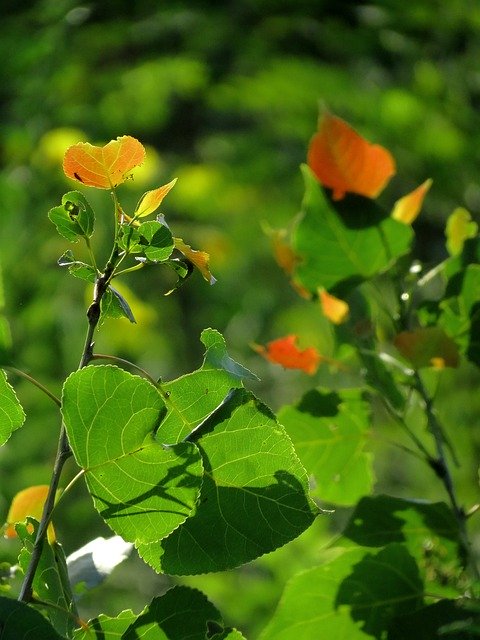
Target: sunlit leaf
x: 460, y: 227
x: 428, y: 347
x: 74, y: 218
x: 284, y: 351
x: 141, y: 488
x: 103, y: 167
x: 254, y: 496
x: 156, y: 240
x: 151, y: 200
x: 333, y: 308
x: 12, y: 415
x: 18, y: 620
x: 50, y: 583
x: 28, y: 502
x: 216, y: 356
x: 329, y: 431
x: 200, y: 259
x: 406, y: 209
x: 347, y: 163
x: 92, y: 563
x: 179, y: 614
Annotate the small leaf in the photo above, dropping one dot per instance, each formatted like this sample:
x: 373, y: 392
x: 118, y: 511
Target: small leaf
x: 216, y: 356
x: 460, y: 227
x: 345, y: 162
x: 17, y: 620
x: 28, y: 502
x: 333, y: 308
x: 127, y: 312
x: 103, y: 167
x: 92, y: 563
x: 12, y: 415
x: 200, y: 259
x: 183, y: 269
x: 74, y: 218
x: 151, y: 200
x: 284, y: 352
x: 158, y: 240
x: 406, y: 209
x: 427, y: 347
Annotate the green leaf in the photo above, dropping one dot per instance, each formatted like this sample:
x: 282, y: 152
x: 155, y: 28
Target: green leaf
x: 460, y: 227
x: 343, y: 243
x: 183, y: 269
x: 18, y: 621
x: 254, y: 496
x: 229, y: 634
x: 125, y: 307
x: 428, y: 530
x: 446, y: 619
x: 158, y: 240
x: 357, y: 596
x: 329, y: 431
x: 179, y: 614
x: 51, y: 583
x: 216, y: 356
x: 142, y: 489
x: 74, y: 218
x: 12, y: 415
x: 77, y: 268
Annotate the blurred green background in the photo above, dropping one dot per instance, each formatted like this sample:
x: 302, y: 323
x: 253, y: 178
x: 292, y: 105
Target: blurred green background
x: 225, y: 96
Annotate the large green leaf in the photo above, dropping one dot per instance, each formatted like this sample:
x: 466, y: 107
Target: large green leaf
x: 143, y: 489
x: 341, y: 244
x: 12, y: 415
x: 51, y: 583
x: 253, y: 499
x: 329, y: 431
x: 355, y: 596
x: 19, y: 621
x: 428, y: 530
x: 179, y: 614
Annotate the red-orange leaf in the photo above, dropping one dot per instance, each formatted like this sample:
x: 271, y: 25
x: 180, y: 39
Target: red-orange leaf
x: 151, y: 200
x: 428, y: 347
x: 285, y: 352
x: 28, y: 502
x: 333, y: 308
x: 406, y: 209
x: 347, y: 163
x: 201, y: 259
x: 103, y: 167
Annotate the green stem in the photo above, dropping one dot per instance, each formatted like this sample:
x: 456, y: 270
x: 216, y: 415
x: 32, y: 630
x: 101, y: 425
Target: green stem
x: 35, y: 382
x: 103, y: 356
x: 138, y: 266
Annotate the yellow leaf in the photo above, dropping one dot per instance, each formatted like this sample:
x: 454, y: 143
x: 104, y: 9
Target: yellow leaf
x: 406, y: 209
x: 333, y: 308
x: 151, y: 200
x: 460, y: 227
x: 200, y: 259
x: 28, y: 502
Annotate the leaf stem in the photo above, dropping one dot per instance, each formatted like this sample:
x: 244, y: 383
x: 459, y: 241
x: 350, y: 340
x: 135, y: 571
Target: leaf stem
x: 39, y: 385
x: 104, y: 356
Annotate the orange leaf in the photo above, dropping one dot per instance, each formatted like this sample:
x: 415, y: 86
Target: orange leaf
x: 285, y: 352
x: 333, y: 308
x: 151, y: 200
x: 428, y: 347
x: 103, y: 167
x: 345, y: 162
x: 200, y: 259
x: 28, y: 502
x: 406, y: 209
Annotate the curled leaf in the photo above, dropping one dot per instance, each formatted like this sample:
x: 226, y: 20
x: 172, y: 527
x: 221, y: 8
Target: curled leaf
x: 285, y: 352
x: 201, y: 259
x: 28, y: 502
x: 460, y: 227
x: 333, y: 308
x: 347, y: 163
x: 103, y: 167
x: 151, y: 200
x: 406, y: 209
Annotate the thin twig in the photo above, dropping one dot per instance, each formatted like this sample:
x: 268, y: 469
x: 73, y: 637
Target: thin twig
x: 39, y: 385
x: 104, y: 356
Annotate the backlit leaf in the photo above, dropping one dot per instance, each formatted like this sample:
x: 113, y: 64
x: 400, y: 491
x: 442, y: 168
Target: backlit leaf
x: 12, y: 415
x: 179, y: 614
x: 329, y: 431
x: 103, y: 167
x: 216, y: 356
x: 254, y: 496
x: 74, y: 218
x: 285, y: 352
x: 460, y: 227
x: 156, y: 240
x: 151, y: 200
x: 19, y: 621
x: 406, y: 209
x: 142, y: 489
x: 200, y: 259
x: 28, y: 502
x: 428, y: 347
x: 333, y: 308
x: 347, y: 163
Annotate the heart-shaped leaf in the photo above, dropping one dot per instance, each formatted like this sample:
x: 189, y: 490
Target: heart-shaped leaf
x: 103, y: 167
x: 143, y: 489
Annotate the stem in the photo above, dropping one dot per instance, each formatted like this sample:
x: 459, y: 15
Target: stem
x: 104, y: 356
x: 63, y: 449
x: 35, y: 382
x: 441, y: 469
